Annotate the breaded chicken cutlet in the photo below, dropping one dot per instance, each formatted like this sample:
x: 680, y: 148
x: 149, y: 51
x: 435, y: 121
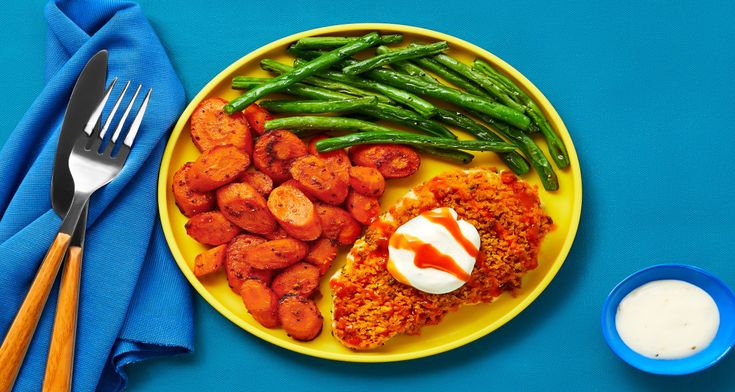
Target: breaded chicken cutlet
x: 370, y: 306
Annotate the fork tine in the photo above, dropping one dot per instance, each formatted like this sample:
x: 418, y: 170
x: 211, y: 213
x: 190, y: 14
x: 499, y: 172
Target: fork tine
x: 130, y: 137
x: 114, y: 110
x: 95, y: 117
x: 124, y: 117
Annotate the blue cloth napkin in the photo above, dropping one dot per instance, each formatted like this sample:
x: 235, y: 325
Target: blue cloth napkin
x: 134, y: 303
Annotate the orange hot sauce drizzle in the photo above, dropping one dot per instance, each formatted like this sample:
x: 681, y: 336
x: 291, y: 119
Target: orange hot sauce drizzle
x: 444, y: 218
x: 425, y: 256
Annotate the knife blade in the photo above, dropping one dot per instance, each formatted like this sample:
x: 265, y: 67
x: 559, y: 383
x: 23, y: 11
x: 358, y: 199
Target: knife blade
x: 85, y: 96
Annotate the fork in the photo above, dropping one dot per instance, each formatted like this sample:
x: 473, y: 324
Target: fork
x: 91, y: 170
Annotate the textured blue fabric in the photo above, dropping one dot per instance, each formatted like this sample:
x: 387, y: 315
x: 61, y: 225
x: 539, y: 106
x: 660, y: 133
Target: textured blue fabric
x: 134, y: 304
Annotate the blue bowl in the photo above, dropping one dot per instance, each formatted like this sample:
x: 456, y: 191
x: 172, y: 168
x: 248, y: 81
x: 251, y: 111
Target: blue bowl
x: 722, y: 343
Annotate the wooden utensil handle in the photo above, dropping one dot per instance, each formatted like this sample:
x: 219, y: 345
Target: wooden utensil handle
x: 21, y: 331
x: 60, y: 362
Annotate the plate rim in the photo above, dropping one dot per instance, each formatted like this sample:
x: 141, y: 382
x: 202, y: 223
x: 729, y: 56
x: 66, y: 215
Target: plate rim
x: 536, y: 94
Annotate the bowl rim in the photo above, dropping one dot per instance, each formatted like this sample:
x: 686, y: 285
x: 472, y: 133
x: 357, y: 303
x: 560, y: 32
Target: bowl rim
x: 657, y: 366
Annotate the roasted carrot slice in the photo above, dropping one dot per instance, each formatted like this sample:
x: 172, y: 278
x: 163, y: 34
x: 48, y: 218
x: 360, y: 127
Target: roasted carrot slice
x: 210, y: 126
x: 258, y: 180
x: 325, y: 183
x: 257, y: 116
x: 294, y: 212
x: 337, y: 224
x: 302, y: 188
x: 336, y: 159
x: 321, y: 254
x: 274, y: 153
x: 211, y: 228
x: 235, y: 266
x: 367, y: 181
x: 216, y: 167
x: 277, y: 234
x: 209, y: 261
x: 276, y: 254
x: 261, y: 274
x: 261, y: 302
x: 189, y: 201
x: 364, y: 209
x: 392, y: 160
x: 300, y: 317
x: 245, y: 207
x: 300, y: 278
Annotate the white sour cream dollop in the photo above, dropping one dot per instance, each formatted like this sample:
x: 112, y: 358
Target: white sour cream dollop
x: 434, y: 252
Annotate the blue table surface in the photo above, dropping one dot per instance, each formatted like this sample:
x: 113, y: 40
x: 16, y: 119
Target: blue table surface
x: 648, y: 94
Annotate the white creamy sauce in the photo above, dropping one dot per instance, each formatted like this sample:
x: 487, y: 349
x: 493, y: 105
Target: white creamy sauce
x: 404, y: 262
x: 667, y: 319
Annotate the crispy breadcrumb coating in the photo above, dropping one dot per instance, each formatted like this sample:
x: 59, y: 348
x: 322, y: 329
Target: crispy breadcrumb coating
x: 370, y: 306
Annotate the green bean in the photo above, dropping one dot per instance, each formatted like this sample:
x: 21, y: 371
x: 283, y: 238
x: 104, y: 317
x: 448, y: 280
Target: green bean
x: 248, y: 82
x: 556, y: 146
x: 557, y: 150
x: 305, y: 133
x: 342, y: 105
x: 484, y: 82
x: 373, y: 133
x: 420, y: 105
x: 513, y: 92
x: 332, y: 42
x: 513, y: 159
x: 529, y: 148
x: 454, y: 96
x: 406, y: 67
x: 455, y: 156
x: 399, y: 137
x: 497, y: 77
x: 450, y: 76
x: 501, y: 80
x: 381, y: 111
x: 303, y: 53
x: 408, y: 118
x: 326, y: 123
x: 393, y: 56
x: 459, y: 120
x: 499, y: 84
x: 280, y: 68
x: 299, y: 62
x: 326, y: 60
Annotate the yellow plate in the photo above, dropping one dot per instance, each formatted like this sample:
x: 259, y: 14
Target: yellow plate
x: 458, y: 328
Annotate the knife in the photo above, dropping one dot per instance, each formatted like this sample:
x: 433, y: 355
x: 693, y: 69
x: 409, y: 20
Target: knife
x: 85, y: 96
